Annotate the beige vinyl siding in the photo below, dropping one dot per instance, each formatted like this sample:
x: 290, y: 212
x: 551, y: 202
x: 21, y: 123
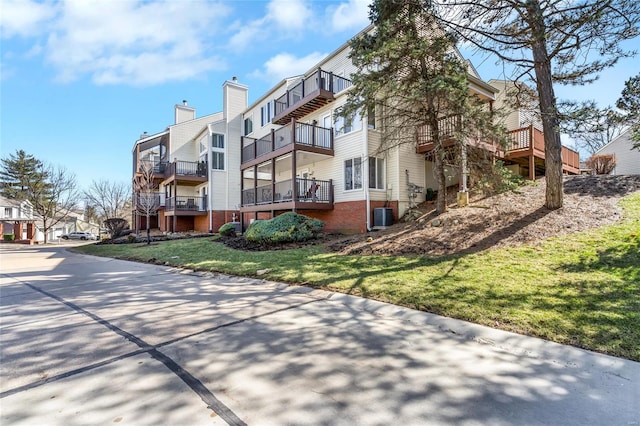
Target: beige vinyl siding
x: 374, y: 140
x: 627, y: 159
x: 184, y: 113
x: 414, y: 163
x: 235, y: 103
x: 182, y: 145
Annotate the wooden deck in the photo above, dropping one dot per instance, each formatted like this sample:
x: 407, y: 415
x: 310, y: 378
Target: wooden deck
x: 527, y: 149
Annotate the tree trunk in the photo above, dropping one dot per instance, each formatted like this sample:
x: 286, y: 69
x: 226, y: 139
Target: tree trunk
x: 44, y: 229
x: 548, y: 109
x: 441, y: 201
x: 148, y: 231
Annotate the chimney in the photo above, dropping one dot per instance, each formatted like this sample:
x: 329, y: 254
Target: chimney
x: 183, y: 112
x: 144, y: 135
x: 235, y: 79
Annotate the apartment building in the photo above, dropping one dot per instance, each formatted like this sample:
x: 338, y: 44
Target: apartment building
x: 290, y: 151
x: 195, y: 164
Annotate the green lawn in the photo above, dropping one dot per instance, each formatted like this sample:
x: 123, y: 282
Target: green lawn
x: 582, y: 289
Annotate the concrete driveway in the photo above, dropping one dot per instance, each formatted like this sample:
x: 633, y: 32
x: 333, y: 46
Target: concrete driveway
x: 87, y: 340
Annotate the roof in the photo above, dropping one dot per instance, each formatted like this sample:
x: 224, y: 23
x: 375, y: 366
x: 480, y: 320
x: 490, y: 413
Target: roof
x: 621, y: 137
x: 6, y: 202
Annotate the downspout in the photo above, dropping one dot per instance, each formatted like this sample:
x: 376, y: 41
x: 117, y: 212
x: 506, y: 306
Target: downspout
x: 365, y: 143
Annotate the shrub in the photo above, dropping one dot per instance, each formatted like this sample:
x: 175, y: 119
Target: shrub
x: 8, y: 237
x: 499, y: 179
x: 117, y: 227
x: 132, y: 238
x: 288, y: 227
x: 227, y: 230
x: 601, y: 164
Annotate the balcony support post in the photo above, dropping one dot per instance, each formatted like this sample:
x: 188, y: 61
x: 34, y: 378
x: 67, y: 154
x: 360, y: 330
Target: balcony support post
x: 294, y: 183
x: 273, y: 180
x: 532, y: 166
x: 331, y: 191
x: 313, y: 133
x: 273, y: 140
x: 255, y: 185
x: 241, y: 188
x: 293, y: 132
x: 255, y: 149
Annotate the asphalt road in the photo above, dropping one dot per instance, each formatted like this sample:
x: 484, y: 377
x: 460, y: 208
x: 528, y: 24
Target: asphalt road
x: 87, y: 340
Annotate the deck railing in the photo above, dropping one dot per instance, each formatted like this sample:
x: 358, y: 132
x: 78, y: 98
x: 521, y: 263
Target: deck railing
x: 149, y: 200
x: 186, y: 168
x: 301, y: 133
x: 521, y: 141
x: 320, y: 80
x: 186, y: 203
x: 304, y: 190
x: 446, y: 128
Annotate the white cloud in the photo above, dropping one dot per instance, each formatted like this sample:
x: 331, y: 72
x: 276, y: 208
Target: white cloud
x: 289, y: 15
x: 135, y: 42
x: 25, y: 18
x: 283, y: 19
x: 287, y: 65
x: 352, y: 15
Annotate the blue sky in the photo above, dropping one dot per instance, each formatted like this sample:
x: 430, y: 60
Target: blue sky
x: 81, y: 80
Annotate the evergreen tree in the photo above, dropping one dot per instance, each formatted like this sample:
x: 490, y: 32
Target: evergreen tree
x: 408, y: 68
x: 548, y: 42
x: 629, y: 103
x: 18, y: 173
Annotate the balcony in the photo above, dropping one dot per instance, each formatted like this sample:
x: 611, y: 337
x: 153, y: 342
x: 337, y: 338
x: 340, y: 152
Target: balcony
x: 527, y: 146
x: 447, y: 130
x: 185, y: 205
x: 295, y: 136
x: 148, y: 200
x: 306, y: 194
x: 184, y: 172
x: 310, y: 94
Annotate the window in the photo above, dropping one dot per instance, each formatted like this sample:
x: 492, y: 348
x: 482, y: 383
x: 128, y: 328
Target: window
x: 353, y: 174
x: 348, y: 125
x: 376, y: 173
x: 8, y: 212
x: 371, y: 118
x: 267, y: 112
x: 248, y: 126
x: 217, y: 160
x: 203, y: 148
x: 217, y: 151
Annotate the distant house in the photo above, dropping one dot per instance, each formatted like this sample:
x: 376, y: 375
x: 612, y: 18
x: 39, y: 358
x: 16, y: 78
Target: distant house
x: 16, y: 217
x: 73, y: 221
x: 627, y: 159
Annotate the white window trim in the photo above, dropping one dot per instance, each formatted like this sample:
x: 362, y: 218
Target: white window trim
x: 222, y: 151
x: 384, y: 173
x: 336, y: 130
x: 362, y: 185
x: 249, y: 117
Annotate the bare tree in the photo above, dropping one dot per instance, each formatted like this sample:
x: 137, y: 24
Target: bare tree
x: 110, y: 199
x: 53, y: 197
x: 602, y: 164
x: 548, y: 42
x: 594, y: 128
x: 146, y: 197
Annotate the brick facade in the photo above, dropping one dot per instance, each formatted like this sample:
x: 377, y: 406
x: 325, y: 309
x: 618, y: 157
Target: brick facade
x: 347, y: 217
